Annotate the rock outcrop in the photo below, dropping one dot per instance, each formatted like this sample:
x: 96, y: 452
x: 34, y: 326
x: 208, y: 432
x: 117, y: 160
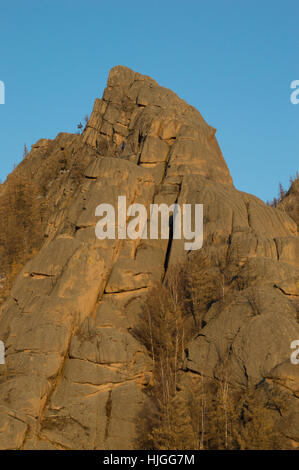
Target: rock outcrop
x: 290, y: 202
x: 75, y: 375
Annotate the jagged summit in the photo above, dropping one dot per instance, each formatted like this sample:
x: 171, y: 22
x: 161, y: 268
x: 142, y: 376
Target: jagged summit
x: 120, y: 74
x: 135, y: 107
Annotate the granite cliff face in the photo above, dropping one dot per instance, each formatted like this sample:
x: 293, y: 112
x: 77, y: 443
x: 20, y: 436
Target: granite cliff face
x: 75, y: 375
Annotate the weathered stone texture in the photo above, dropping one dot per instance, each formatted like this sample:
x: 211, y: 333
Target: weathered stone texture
x: 74, y: 374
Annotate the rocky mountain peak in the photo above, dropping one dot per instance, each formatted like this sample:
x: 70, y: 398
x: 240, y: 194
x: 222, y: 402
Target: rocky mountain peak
x: 150, y: 125
x: 77, y: 376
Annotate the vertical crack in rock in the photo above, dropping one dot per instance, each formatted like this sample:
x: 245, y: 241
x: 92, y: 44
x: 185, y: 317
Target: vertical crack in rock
x: 108, y: 410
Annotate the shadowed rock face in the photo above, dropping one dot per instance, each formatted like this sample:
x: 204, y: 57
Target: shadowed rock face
x: 75, y: 376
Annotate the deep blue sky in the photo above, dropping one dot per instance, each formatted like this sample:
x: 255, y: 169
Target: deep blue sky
x: 233, y: 60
